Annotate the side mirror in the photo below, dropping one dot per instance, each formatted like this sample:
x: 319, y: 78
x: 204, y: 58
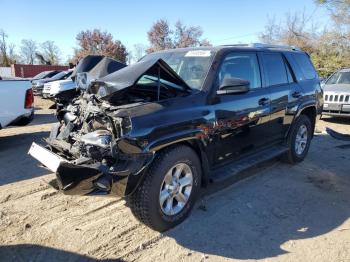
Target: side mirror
x: 233, y: 86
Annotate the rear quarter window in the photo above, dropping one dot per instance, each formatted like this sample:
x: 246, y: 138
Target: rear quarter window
x: 304, y: 63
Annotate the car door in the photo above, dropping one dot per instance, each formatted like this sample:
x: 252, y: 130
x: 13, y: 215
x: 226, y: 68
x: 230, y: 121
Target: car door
x: 283, y: 91
x: 240, y: 118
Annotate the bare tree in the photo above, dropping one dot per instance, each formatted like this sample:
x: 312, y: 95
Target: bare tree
x: 295, y: 30
x: 329, y: 49
x: 4, y: 60
x: 7, y: 51
x: 205, y: 42
x: 159, y: 36
x: 96, y: 42
x: 28, y: 51
x: 339, y: 9
x: 50, y: 52
x: 187, y: 36
x: 12, y: 55
x: 272, y: 31
x: 162, y: 37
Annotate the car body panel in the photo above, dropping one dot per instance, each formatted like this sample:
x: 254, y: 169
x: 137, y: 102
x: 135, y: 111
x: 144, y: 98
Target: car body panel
x: 12, y: 101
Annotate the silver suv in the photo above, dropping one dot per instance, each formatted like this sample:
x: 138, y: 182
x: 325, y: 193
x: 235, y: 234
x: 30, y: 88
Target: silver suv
x: 336, y: 94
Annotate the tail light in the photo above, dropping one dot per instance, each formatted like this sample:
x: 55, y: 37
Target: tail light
x: 29, y: 100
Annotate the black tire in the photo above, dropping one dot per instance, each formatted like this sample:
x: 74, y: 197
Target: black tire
x: 292, y: 156
x: 144, y: 202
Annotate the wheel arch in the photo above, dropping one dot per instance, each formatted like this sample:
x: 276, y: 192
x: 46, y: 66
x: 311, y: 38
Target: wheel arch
x: 199, y: 148
x: 311, y: 113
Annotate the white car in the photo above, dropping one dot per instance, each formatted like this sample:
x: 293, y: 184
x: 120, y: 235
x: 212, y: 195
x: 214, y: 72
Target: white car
x: 53, y: 88
x: 16, y: 102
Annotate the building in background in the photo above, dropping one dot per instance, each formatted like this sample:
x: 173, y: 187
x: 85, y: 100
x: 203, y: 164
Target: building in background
x: 22, y: 70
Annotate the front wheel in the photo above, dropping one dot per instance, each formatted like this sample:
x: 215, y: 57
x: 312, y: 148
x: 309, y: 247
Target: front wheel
x: 168, y: 192
x: 299, y: 140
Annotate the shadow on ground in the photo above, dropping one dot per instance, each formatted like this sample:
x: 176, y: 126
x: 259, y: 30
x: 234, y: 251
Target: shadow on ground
x: 40, y: 119
x: 28, y: 252
x: 337, y: 120
x: 257, y: 218
x: 15, y: 163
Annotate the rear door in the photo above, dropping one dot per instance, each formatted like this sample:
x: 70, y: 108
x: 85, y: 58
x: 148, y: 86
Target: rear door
x: 279, y: 80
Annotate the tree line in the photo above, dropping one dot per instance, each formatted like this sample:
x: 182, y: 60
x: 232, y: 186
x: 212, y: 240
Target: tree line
x: 329, y: 47
x: 30, y: 52
x: 161, y: 36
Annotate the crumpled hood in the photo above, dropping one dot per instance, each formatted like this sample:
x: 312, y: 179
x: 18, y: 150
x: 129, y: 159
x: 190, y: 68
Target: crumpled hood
x: 128, y: 77
x: 337, y: 88
x: 93, y: 67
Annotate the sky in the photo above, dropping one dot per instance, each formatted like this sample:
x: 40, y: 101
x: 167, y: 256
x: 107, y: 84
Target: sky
x: 223, y: 21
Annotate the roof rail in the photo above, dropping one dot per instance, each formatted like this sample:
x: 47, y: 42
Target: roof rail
x: 271, y: 46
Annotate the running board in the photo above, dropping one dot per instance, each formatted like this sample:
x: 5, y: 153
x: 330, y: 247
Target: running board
x: 234, y: 171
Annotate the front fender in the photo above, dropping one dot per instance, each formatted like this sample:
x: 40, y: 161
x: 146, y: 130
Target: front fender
x: 169, y: 139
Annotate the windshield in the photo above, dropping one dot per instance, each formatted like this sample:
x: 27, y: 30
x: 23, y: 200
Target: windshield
x: 192, y: 66
x: 339, y: 78
x: 61, y: 75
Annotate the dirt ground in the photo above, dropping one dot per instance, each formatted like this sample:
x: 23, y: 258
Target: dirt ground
x: 280, y: 213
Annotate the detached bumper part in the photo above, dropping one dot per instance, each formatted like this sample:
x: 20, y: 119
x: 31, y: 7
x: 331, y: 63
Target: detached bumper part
x: 96, y: 179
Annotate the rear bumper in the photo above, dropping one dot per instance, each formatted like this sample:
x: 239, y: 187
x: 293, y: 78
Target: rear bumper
x: 75, y: 179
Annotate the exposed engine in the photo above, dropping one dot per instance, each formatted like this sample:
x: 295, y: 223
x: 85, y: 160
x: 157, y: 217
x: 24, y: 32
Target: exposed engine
x: 85, y: 132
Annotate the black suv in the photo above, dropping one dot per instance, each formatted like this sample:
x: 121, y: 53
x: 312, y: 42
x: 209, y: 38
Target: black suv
x: 156, y: 131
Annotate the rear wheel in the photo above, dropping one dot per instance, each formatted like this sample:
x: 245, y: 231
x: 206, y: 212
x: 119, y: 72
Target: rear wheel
x: 299, y: 140
x: 169, y: 190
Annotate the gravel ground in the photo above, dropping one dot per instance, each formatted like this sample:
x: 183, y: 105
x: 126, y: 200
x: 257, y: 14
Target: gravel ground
x: 280, y: 213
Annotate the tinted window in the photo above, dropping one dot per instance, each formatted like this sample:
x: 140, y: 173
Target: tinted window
x: 339, y: 78
x: 275, y: 69
x: 305, y: 65
x: 289, y: 73
x: 241, y: 65
x: 51, y: 74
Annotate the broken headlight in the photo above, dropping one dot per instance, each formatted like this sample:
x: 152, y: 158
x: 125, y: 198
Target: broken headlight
x: 99, y: 138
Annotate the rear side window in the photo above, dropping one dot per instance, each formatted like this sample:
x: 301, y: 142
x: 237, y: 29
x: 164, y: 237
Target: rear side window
x: 275, y: 70
x: 305, y: 65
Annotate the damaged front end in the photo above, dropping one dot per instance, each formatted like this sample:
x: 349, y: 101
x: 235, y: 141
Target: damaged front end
x: 94, y: 148
x: 84, y: 147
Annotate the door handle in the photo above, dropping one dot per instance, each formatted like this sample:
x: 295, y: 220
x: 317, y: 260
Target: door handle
x: 264, y: 101
x: 296, y: 94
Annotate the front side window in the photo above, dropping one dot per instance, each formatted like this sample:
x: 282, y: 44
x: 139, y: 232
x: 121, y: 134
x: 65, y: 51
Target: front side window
x: 275, y: 70
x: 241, y: 65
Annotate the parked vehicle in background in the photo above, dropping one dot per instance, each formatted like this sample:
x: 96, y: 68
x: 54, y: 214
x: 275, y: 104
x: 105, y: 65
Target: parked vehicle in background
x: 16, y: 102
x: 54, y: 88
x: 38, y: 85
x: 44, y: 74
x: 157, y: 130
x: 336, y: 94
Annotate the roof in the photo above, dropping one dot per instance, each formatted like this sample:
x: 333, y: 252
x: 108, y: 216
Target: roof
x: 253, y: 46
